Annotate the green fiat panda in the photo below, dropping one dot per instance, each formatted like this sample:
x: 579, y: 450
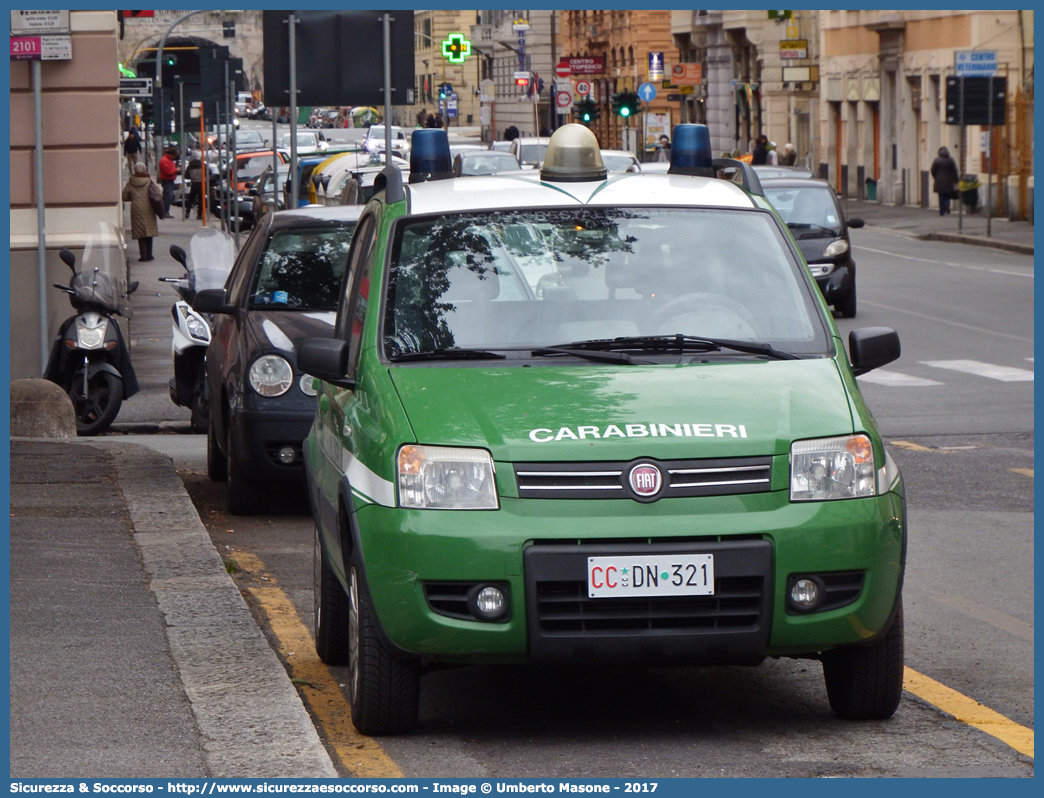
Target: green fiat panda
x: 577, y: 418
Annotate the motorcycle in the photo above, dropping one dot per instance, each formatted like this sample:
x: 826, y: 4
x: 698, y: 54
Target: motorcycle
x: 207, y: 263
x: 89, y: 358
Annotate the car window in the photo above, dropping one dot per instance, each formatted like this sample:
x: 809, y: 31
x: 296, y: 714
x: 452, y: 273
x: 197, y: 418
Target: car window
x: 543, y: 277
x: 813, y: 206
x: 241, y: 272
x: 301, y: 269
x: 617, y: 163
x: 364, y: 242
x: 531, y: 153
x: 486, y: 163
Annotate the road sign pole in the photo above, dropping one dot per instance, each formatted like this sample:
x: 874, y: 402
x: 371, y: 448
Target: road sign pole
x: 989, y: 163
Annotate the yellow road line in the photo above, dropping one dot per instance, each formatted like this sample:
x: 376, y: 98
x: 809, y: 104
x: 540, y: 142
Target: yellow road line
x: 1026, y: 472
x: 915, y: 447
x: 360, y: 754
x: 968, y: 710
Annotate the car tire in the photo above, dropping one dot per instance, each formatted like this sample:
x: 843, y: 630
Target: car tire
x: 848, y: 306
x: 384, y: 690
x: 331, y: 608
x: 244, y: 495
x: 217, y: 464
x: 865, y: 682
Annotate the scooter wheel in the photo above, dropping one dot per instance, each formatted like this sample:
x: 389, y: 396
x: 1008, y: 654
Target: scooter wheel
x: 199, y: 404
x: 99, y: 408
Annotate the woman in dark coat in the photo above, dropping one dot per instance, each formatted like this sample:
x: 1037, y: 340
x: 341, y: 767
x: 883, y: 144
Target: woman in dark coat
x: 143, y: 217
x: 947, y: 177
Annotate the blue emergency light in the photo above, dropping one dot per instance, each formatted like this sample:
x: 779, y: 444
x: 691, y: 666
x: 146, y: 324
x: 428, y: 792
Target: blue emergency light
x: 430, y: 157
x: 691, y: 151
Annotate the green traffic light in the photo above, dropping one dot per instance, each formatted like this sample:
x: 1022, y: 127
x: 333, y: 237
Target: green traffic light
x: 625, y: 111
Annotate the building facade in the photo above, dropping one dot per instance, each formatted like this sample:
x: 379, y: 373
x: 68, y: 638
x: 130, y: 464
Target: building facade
x: 510, y: 42
x: 883, y: 112
x: 433, y: 69
x: 624, y: 40
x: 82, y: 179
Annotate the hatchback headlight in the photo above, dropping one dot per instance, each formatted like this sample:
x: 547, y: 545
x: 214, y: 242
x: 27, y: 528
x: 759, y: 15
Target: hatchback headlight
x: 444, y: 478
x: 271, y: 375
x: 835, y: 248
x: 832, y: 468
x: 90, y: 330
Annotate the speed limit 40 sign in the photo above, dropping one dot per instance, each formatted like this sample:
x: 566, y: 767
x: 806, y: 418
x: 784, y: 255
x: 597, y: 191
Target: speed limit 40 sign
x: 583, y: 88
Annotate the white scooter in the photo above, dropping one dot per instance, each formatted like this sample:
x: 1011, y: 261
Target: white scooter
x: 207, y: 264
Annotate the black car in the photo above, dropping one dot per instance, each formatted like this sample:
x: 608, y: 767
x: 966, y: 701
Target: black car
x: 811, y: 211
x: 283, y: 288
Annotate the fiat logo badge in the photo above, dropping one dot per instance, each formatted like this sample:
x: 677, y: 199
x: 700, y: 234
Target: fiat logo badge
x: 645, y: 480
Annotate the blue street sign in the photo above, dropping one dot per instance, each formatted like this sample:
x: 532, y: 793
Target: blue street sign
x: 647, y: 92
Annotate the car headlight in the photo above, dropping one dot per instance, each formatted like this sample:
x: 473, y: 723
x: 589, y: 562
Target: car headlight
x: 444, y: 478
x: 271, y: 375
x: 832, y: 468
x: 196, y: 325
x: 835, y: 248
x: 90, y: 330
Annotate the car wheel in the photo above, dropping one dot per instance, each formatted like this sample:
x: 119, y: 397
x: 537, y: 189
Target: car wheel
x: 217, y: 465
x: 98, y: 408
x: 244, y: 496
x: 384, y: 690
x: 848, y: 306
x: 865, y: 682
x: 331, y: 609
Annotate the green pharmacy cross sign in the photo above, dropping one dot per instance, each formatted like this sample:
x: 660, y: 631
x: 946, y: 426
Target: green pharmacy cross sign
x: 456, y: 48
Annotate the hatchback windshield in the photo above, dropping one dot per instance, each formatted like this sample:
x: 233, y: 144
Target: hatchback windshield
x: 811, y: 208
x: 529, y: 154
x: 534, y: 278
x: 303, y: 140
x: 301, y: 269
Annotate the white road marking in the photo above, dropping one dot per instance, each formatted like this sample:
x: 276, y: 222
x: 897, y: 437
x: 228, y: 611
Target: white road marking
x: 945, y: 321
x: 895, y: 379
x: 1013, y: 274
x: 988, y: 370
x: 967, y: 266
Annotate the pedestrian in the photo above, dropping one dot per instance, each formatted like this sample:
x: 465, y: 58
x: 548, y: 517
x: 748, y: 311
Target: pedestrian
x: 789, y: 156
x: 168, y: 172
x: 422, y: 117
x: 143, y: 216
x: 194, y: 174
x: 132, y: 148
x: 511, y: 133
x: 772, y: 157
x: 663, y: 152
x: 760, y: 153
x: 946, y: 175
x: 439, y: 122
x: 429, y: 121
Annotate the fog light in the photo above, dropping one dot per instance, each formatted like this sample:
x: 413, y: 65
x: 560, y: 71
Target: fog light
x: 805, y: 594
x: 287, y: 455
x: 488, y: 602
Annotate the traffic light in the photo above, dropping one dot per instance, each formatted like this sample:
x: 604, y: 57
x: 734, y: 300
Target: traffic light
x: 615, y: 103
x: 586, y: 110
x: 626, y: 103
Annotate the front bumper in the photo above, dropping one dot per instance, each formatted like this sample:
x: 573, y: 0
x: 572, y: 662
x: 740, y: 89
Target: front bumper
x: 537, y: 549
x: 837, y: 285
x: 259, y: 437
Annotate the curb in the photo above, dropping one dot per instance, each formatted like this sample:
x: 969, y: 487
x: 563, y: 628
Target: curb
x: 249, y: 715
x: 980, y: 241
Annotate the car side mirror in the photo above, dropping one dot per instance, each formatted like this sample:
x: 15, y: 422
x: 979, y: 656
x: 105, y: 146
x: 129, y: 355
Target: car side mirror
x: 252, y: 192
x: 872, y: 347
x: 132, y: 287
x: 855, y: 224
x: 179, y: 255
x: 212, y: 300
x: 327, y: 359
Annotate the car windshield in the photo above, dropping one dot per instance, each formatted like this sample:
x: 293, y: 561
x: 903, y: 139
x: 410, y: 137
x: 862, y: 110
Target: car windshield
x: 537, y: 278
x: 253, y: 166
x: 249, y: 138
x: 617, y: 163
x: 531, y: 153
x: 811, y: 207
x: 485, y: 162
x: 303, y: 140
x: 301, y: 269
x: 377, y: 132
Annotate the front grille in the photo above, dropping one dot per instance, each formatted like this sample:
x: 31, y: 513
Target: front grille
x: 719, y: 477
x: 564, y: 608
x: 732, y: 625
x: 449, y: 598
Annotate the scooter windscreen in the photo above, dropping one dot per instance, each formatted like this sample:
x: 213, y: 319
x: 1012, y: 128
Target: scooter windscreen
x: 101, y: 275
x: 211, y: 254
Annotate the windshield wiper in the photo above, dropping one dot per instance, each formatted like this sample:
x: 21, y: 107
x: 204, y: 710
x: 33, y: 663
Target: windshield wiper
x: 798, y: 225
x: 678, y: 342
x: 447, y: 354
x: 579, y: 350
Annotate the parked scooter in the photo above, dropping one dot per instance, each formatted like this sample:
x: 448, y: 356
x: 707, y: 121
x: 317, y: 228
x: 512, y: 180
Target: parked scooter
x: 89, y: 358
x: 207, y: 263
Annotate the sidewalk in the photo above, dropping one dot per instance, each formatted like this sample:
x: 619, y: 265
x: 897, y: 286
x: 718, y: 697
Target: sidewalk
x: 133, y: 654
x: 926, y: 223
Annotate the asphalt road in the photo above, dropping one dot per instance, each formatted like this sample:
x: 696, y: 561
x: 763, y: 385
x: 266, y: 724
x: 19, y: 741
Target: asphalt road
x: 956, y: 414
